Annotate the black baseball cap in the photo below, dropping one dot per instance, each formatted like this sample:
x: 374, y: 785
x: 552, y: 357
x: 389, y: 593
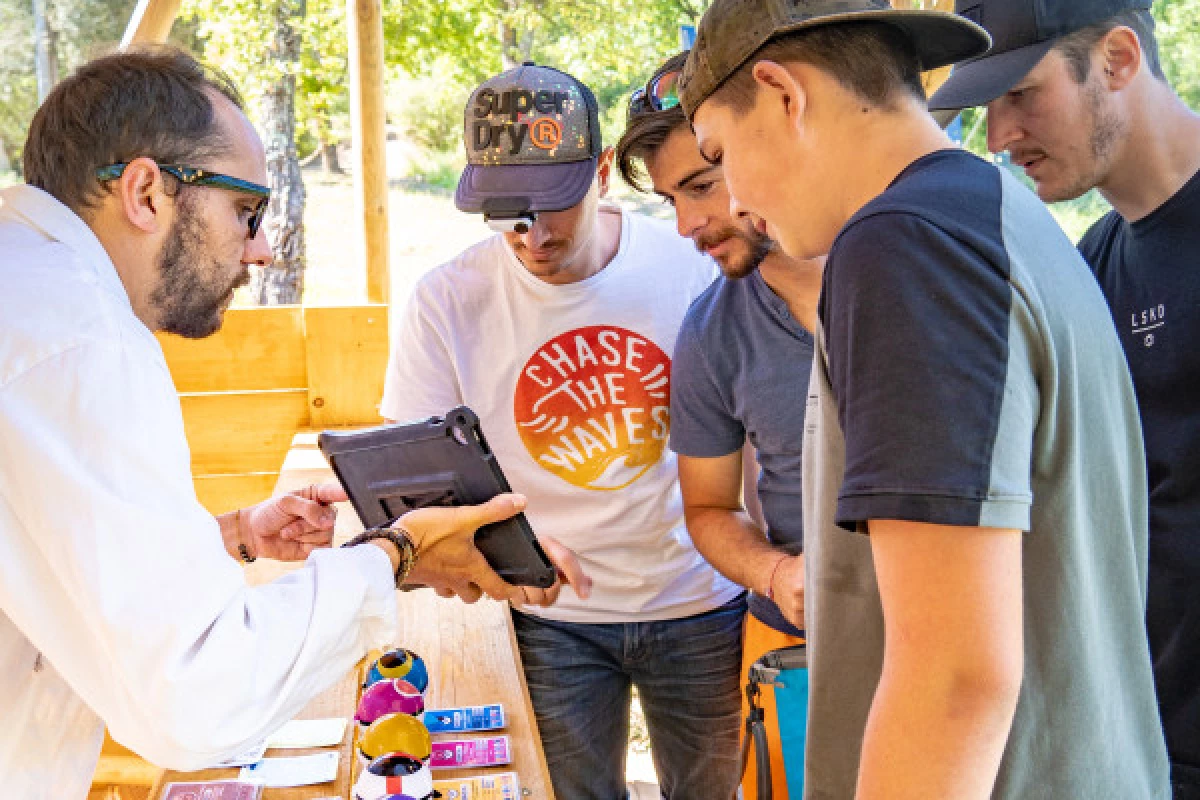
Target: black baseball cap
x: 533, y: 140
x: 732, y: 31
x: 1023, y: 31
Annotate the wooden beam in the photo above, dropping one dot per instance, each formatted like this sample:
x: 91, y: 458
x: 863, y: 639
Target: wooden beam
x: 125, y: 770
x: 257, y: 348
x: 151, y: 22
x: 347, y: 360
x: 222, y: 493
x: 239, y: 432
x: 364, y: 20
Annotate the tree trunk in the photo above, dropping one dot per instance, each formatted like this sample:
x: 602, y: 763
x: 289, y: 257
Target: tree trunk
x: 516, y: 44
x: 329, y: 159
x: 326, y: 144
x: 45, y: 50
x: 509, y: 49
x: 283, y: 282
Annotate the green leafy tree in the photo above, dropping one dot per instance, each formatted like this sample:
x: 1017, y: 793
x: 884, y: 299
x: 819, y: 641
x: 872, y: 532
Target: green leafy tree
x: 613, y: 47
x: 271, y: 50
x: 78, y: 30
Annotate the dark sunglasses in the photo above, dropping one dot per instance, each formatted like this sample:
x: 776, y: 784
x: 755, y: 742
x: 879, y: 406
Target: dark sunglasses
x: 660, y: 94
x: 200, y: 177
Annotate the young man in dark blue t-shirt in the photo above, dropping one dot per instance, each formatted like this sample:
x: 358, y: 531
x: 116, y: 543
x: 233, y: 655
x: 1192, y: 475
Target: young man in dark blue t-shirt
x: 1085, y: 105
x: 974, y: 495
x: 743, y: 356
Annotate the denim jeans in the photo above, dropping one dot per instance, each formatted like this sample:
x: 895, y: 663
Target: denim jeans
x: 687, y: 672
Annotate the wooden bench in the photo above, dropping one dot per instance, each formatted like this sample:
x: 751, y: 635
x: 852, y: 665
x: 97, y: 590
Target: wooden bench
x: 270, y: 372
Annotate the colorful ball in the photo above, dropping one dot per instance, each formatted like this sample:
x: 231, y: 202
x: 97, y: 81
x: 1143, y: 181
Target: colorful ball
x: 395, y: 733
x: 392, y: 776
x: 399, y: 663
x: 389, y: 697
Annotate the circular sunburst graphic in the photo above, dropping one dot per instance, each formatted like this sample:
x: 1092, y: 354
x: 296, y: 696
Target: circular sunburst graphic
x: 592, y: 406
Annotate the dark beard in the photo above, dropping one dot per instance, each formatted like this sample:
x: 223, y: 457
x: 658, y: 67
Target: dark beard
x: 760, y: 247
x: 189, y: 301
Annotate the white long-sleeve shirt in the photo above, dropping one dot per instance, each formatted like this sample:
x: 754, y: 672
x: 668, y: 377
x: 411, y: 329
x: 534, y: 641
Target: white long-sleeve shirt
x: 118, y: 601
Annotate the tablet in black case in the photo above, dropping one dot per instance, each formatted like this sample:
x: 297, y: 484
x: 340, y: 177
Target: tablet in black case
x: 392, y: 469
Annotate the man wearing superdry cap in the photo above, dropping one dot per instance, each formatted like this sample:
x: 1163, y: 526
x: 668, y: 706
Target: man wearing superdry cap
x: 975, y: 500
x: 1075, y: 93
x: 558, y: 334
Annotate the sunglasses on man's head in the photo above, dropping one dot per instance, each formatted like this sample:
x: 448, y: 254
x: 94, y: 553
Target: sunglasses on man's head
x: 193, y: 176
x: 660, y: 94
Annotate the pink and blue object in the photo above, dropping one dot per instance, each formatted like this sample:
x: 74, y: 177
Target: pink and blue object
x: 399, y: 663
x: 389, y: 697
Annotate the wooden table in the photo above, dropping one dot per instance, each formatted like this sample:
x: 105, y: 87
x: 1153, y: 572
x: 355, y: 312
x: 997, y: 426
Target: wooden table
x: 470, y: 651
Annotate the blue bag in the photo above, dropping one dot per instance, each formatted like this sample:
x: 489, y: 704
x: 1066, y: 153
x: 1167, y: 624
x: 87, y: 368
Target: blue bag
x: 786, y: 670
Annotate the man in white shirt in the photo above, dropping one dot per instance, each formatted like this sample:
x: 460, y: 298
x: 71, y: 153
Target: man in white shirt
x: 558, y: 334
x: 120, y: 602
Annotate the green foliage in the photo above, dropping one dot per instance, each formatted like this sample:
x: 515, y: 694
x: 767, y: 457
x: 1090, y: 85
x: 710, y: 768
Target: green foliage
x: 437, y: 170
x: 237, y: 36
x: 429, y: 110
x: 455, y: 44
x: 82, y: 29
x: 18, y: 86
x: 1178, y: 32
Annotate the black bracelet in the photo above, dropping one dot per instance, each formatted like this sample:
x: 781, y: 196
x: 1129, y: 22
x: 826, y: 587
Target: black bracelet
x: 397, y: 536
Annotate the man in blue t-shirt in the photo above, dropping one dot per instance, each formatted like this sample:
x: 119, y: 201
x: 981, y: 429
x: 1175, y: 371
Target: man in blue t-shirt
x: 743, y: 356
x: 1085, y: 105
x: 974, y: 491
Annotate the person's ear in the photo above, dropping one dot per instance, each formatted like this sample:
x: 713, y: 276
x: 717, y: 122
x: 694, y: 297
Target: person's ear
x: 604, y: 170
x: 141, y: 196
x: 781, y: 89
x: 1119, y: 57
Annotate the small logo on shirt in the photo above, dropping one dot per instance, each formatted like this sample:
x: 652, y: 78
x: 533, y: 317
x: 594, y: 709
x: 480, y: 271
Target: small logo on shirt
x: 592, y: 406
x: 1144, y: 323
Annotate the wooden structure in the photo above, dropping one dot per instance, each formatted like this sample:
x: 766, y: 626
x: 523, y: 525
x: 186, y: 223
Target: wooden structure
x: 269, y: 373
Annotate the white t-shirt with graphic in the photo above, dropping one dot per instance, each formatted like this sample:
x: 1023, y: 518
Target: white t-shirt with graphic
x: 572, y: 387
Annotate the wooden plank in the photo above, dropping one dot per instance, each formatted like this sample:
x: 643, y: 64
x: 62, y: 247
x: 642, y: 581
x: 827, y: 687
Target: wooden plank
x: 347, y: 359
x: 120, y: 774
x: 239, y: 432
x: 222, y: 493
x: 364, y: 24
x: 125, y: 771
x: 151, y: 22
x: 256, y: 348
x: 101, y: 792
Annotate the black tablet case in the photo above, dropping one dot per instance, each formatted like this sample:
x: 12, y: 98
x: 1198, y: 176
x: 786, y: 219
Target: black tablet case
x: 392, y: 469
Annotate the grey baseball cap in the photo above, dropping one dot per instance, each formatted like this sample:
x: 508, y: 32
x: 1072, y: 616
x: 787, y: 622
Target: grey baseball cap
x: 1022, y: 31
x: 732, y: 31
x: 533, y: 139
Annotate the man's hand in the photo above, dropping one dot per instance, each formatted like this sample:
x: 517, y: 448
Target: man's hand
x: 568, y: 570
x: 288, y: 527
x: 449, y: 562
x: 788, y: 588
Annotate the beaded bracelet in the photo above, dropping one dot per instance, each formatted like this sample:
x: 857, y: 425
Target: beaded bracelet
x: 397, y: 536
x: 243, y: 551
